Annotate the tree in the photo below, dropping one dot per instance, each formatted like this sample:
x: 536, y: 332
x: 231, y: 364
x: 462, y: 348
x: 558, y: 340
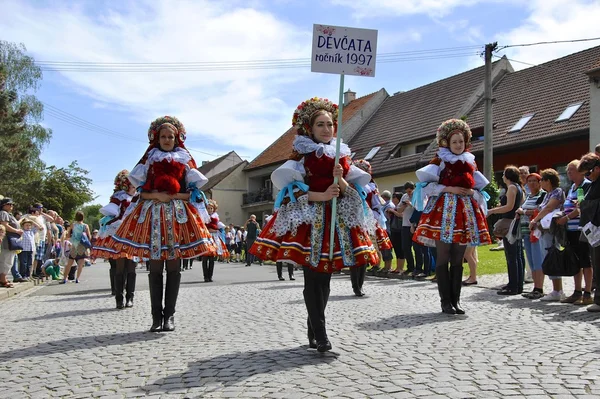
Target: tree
x: 92, y: 215
x: 22, y: 138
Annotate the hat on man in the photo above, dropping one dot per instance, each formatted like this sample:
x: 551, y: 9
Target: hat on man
x: 6, y: 201
x: 37, y: 206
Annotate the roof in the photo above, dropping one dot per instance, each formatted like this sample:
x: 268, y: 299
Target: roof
x: 281, y: 149
x: 546, y: 90
x: 218, y: 178
x: 207, y: 167
x: 413, y: 116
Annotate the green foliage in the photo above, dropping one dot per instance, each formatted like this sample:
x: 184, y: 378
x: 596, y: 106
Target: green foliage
x: 92, y: 215
x: 494, y: 193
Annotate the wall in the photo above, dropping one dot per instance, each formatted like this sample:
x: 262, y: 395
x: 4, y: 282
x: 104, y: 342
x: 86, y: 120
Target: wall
x: 228, y: 194
x: 594, y: 112
x: 389, y: 182
x: 351, y: 127
x: 231, y: 160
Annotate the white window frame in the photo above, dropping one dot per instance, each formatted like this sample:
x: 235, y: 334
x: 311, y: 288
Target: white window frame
x: 522, y: 122
x: 372, y: 153
x: 569, y: 112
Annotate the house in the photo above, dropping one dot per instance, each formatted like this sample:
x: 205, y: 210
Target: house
x: 260, y: 198
x: 226, y: 185
x: 543, y: 116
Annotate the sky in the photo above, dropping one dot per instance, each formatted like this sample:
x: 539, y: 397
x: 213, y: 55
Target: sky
x: 246, y: 110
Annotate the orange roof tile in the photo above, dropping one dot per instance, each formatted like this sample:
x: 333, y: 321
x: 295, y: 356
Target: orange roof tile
x: 281, y: 149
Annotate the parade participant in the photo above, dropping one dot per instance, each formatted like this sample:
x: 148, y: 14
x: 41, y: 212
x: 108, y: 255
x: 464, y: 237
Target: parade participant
x: 376, y: 205
x: 166, y: 225
x: 122, y: 269
x: 454, y: 216
x: 208, y: 261
x: 299, y: 231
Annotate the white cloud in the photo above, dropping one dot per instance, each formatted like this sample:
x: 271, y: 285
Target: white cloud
x: 226, y: 105
x: 551, y: 20
x: 393, y: 8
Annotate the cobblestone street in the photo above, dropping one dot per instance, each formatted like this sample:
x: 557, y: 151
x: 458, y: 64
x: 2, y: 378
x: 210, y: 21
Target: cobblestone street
x: 244, y: 336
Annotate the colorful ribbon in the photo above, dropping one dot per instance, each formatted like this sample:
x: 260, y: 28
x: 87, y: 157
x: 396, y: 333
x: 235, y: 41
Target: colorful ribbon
x: 289, y: 191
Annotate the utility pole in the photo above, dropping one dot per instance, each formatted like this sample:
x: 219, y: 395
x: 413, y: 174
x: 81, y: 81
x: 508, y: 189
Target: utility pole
x: 488, y: 128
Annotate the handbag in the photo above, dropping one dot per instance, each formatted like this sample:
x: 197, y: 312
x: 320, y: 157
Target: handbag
x: 561, y: 263
x: 501, y: 227
x: 514, y: 231
x: 14, y: 242
x: 85, y: 241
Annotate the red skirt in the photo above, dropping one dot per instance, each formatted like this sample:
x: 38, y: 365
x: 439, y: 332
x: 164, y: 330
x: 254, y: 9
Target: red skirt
x: 453, y: 219
x: 309, y: 245
x: 382, y: 238
x: 162, y: 231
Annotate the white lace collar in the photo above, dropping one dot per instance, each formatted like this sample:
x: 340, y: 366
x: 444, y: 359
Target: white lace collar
x: 178, y: 155
x: 122, y: 195
x: 305, y: 145
x: 449, y: 157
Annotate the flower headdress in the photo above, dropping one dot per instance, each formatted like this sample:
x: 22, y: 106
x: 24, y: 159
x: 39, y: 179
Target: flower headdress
x: 450, y: 127
x: 304, y: 111
x: 364, y: 165
x: 122, y: 181
x: 213, y: 203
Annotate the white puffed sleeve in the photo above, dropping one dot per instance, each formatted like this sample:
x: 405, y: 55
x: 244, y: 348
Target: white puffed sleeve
x: 429, y: 173
x: 193, y: 177
x: 480, y: 180
x: 137, y: 176
x: 110, y: 210
x: 287, y: 173
x: 357, y: 176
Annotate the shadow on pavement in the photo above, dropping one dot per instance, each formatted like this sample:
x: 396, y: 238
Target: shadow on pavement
x: 71, y: 313
x: 84, y: 292
x: 283, y: 286
x: 402, y: 321
x: 81, y: 298
x: 89, y: 342
x: 230, y: 369
x: 332, y: 298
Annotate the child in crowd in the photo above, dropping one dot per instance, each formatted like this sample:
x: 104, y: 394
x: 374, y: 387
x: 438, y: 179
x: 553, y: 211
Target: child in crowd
x: 28, y: 242
x: 51, y: 268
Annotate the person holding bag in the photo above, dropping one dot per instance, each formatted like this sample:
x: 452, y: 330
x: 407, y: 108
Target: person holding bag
x: 79, y: 251
x: 513, y: 251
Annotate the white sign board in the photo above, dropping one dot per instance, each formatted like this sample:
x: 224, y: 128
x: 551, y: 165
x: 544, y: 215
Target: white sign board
x: 337, y: 49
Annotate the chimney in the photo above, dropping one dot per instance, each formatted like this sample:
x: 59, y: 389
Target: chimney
x: 204, y: 163
x: 349, y: 96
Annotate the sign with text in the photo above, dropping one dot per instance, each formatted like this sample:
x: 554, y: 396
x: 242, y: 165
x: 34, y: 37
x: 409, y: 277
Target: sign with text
x: 341, y: 50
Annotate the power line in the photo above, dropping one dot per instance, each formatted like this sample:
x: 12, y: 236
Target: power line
x: 549, y: 42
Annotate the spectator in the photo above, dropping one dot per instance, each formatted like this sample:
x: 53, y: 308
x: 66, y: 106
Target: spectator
x: 252, y: 228
x: 28, y: 242
x: 43, y: 236
x: 78, y: 252
x: 550, y: 205
x: 51, y: 268
x: 395, y: 231
x: 528, y: 210
x: 472, y: 260
x: 597, y: 149
x: 239, y: 239
x: 11, y: 225
x: 513, y: 252
x: 523, y: 173
x: 406, y: 209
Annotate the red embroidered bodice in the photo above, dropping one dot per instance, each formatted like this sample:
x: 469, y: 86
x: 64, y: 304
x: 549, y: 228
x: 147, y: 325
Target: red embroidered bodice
x: 165, y: 176
x: 458, y: 174
x: 319, y: 171
x: 214, y: 222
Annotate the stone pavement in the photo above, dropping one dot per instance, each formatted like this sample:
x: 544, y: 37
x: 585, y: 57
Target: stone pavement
x: 244, y: 336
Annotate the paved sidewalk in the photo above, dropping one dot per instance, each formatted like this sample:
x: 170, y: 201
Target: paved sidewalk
x: 244, y: 336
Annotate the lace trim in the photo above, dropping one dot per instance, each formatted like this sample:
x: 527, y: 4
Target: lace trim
x: 305, y: 145
x: 350, y: 211
x: 178, y: 155
x: 291, y: 215
x: 449, y: 157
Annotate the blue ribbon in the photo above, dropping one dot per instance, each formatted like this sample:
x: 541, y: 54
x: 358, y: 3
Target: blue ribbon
x: 362, y: 193
x: 197, y: 195
x: 486, y: 196
x: 417, y: 197
x: 289, y: 191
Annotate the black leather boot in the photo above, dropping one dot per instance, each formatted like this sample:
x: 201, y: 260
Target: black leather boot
x: 171, y: 293
x: 445, y: 289
x: 279, y: 267
x: 155, y: 283
x: 312, y: 342
x: 291, y: 272
x: 456, y: 285
x: 111, y: 273
x: 211, y: 268
x: 361, y: 279
x: 130, y: 289
x: 354, y: 272
x: 205, y: 269
x: 119, y: 284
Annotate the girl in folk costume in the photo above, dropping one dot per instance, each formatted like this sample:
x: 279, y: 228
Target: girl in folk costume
x: 298, y: 233
x: 167, y: 223
x: 454, y: 216
x: 208, y: 261
x: 122, y: 268
x: 384, y: 245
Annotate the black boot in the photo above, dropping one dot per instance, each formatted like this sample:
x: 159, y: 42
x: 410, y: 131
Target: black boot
x: 130, y: 289
x: 211, y: 269
x: 312, y: 342
x: 354, y: 272
x: 205, y: 270
x: 291, y: 272
x: 171, y: 292
x: 361, y: 279
x: 155, y: 283
x: 111, y: 273
x: 279, y: 266
x: 445, y: 289
x: 456, y: 285
x: 316, y: 294
x: 119, y: 284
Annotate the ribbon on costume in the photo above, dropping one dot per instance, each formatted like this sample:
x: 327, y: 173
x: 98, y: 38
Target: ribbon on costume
x: 289, y: 190
x: 362, y: 193
x: 485, y: 195
x: 417, y: 197
x: 196, y: 195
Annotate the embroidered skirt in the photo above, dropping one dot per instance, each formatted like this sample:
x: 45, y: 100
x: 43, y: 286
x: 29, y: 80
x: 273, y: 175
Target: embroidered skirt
x: 220, y: 245
x: 100, y: 250
x: 453, y: 219
x: 309, y: 244
x: 382, y: 239
x: 162, y: 231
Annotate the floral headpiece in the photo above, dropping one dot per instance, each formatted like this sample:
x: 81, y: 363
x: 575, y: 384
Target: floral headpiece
x: 450, y: 127
x: 364, y: 165
x: 122, y: 181
x: 155, y: 126
x: 304, y: 111
x: 213, y: 203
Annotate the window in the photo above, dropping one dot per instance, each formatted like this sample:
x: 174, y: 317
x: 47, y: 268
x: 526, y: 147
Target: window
x: 268, y: 185
x: 421, y: 148
x: 568, y: 112
x: 372, y: 153
x: 396, y: 152
x: 521, y: 123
